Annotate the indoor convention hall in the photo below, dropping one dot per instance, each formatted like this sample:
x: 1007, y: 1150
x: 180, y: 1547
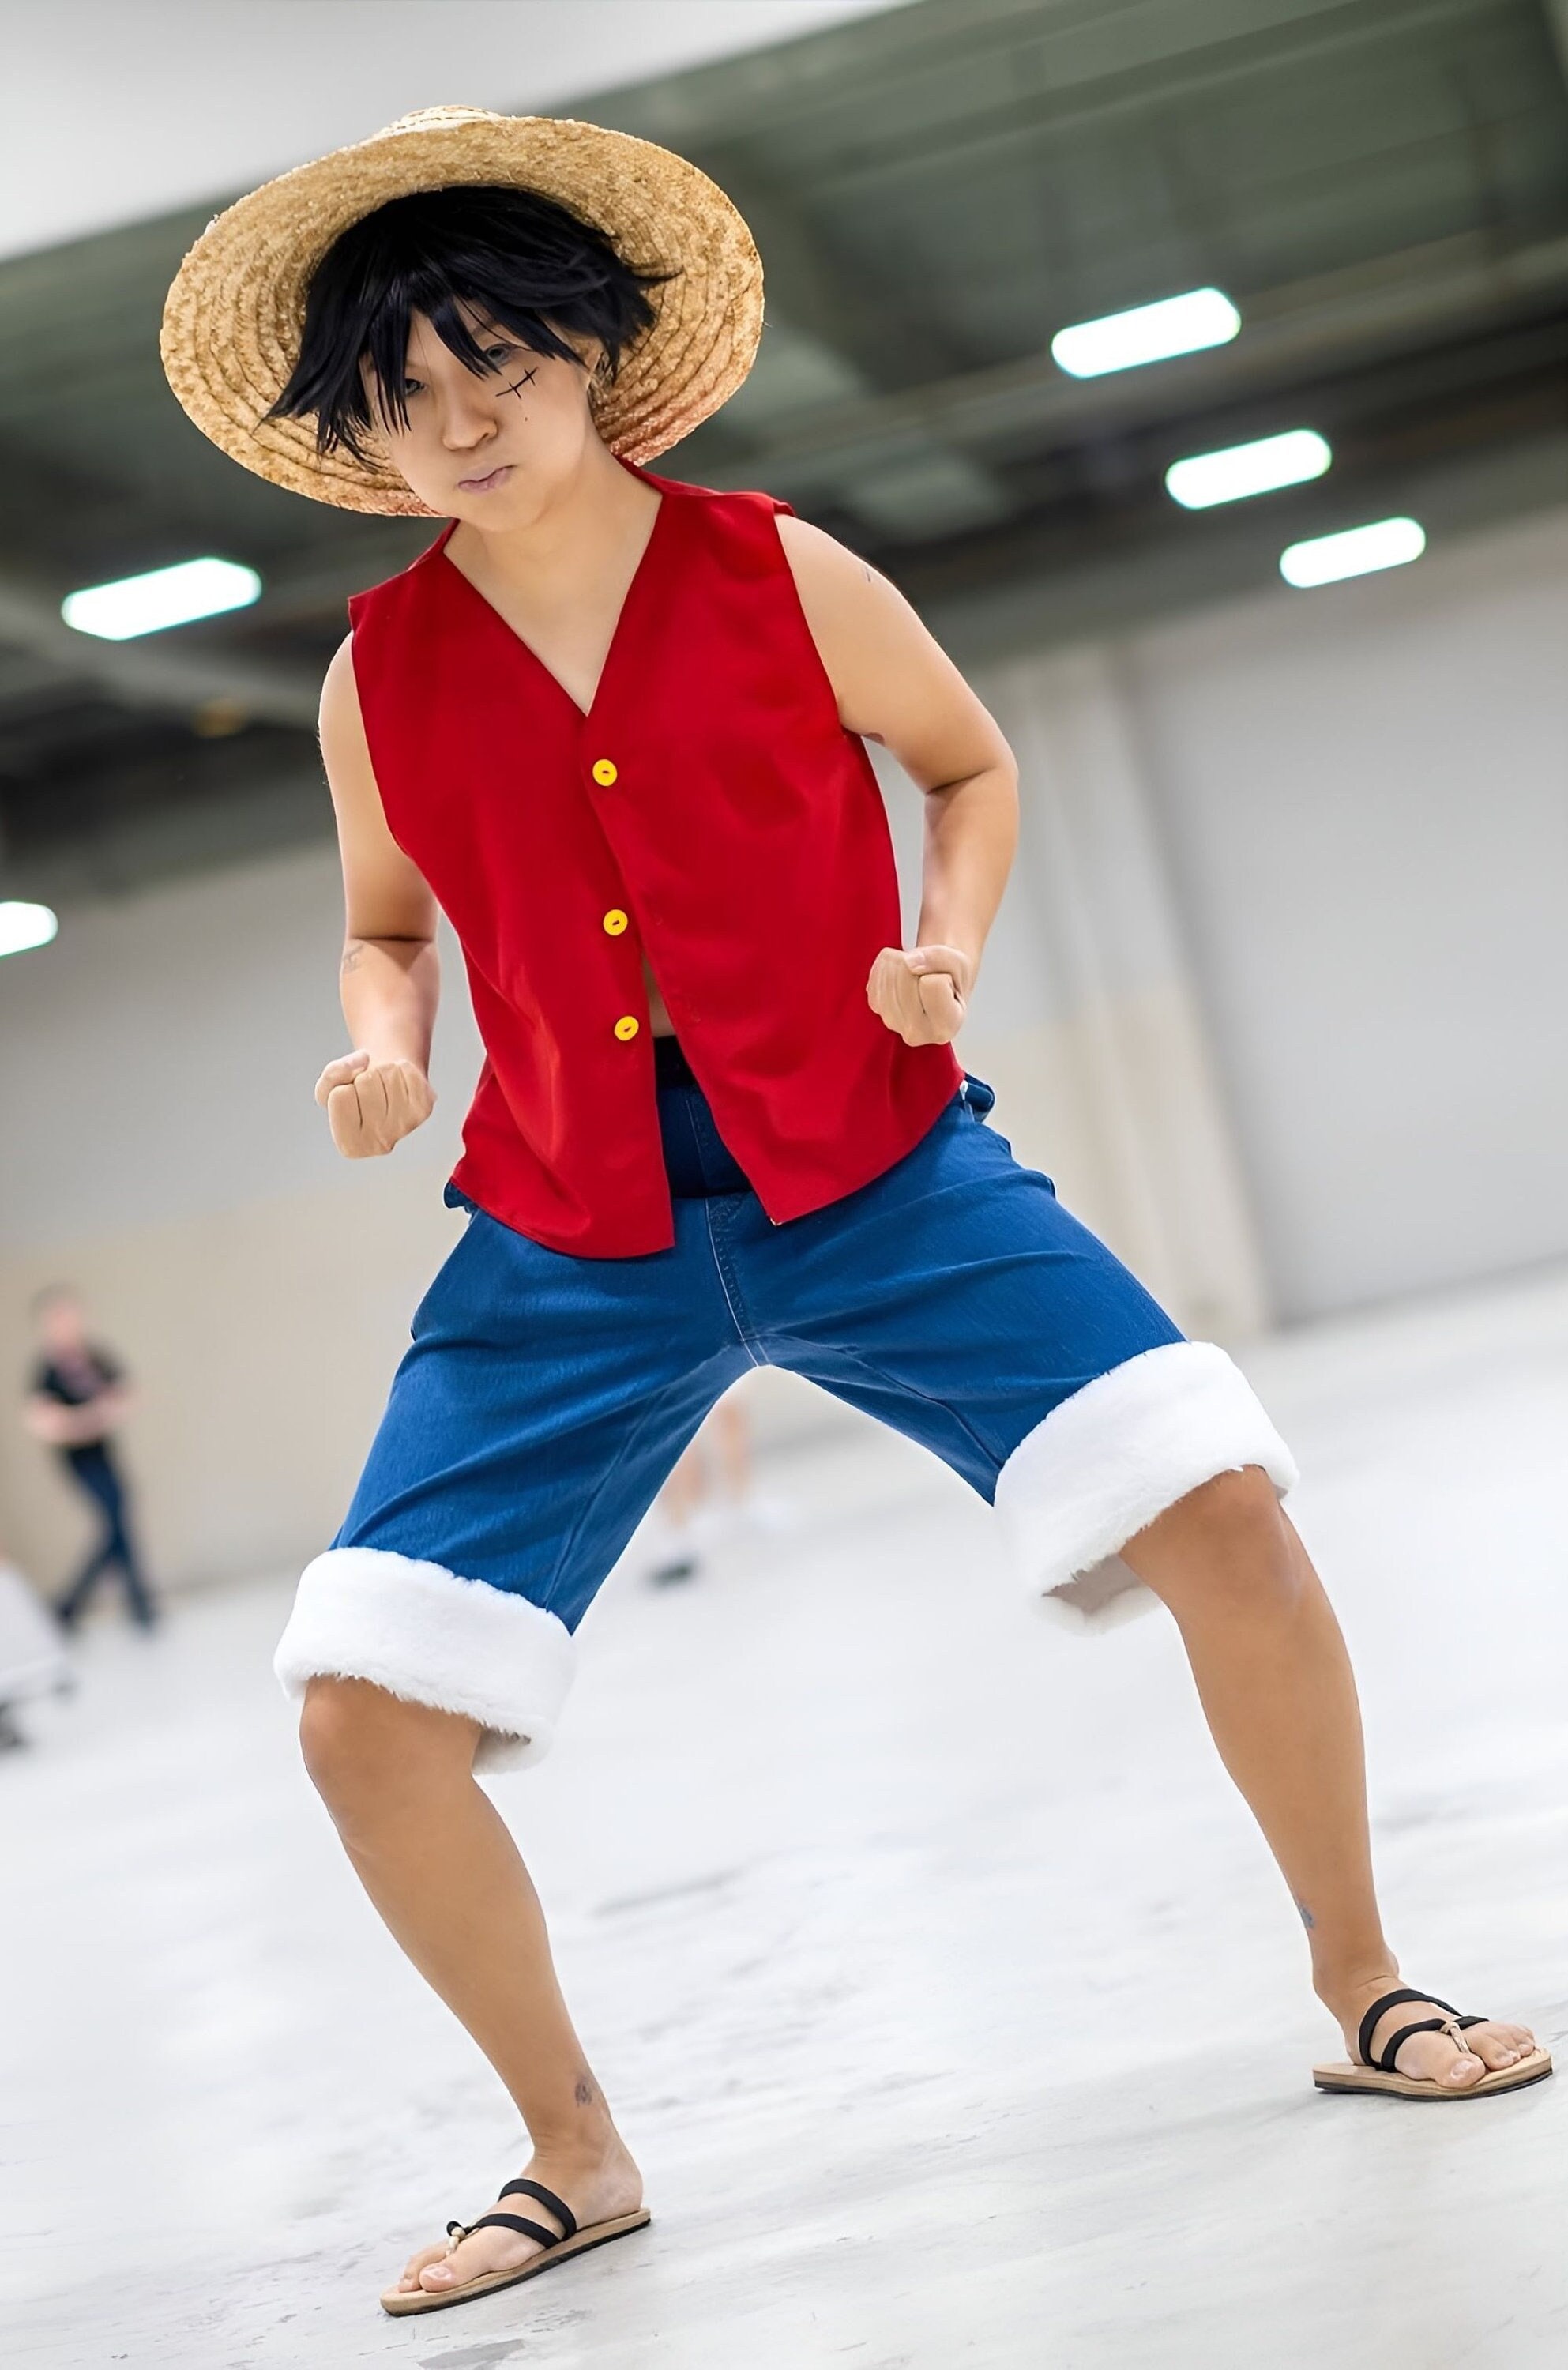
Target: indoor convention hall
x: 784, y: 1184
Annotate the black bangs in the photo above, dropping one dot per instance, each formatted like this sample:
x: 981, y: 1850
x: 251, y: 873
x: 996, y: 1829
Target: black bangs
x: 522, y: 261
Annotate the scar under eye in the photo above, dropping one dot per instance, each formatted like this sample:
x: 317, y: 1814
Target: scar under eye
x: 527, y: 380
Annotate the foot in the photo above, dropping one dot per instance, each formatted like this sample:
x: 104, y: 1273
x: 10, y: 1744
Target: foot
x: 1428, y: 2056
x: 595, y: 2189
x: 673, y: 1569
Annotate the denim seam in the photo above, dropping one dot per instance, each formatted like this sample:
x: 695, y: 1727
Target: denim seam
x: 720, y: 1269
x: 912, y: 1390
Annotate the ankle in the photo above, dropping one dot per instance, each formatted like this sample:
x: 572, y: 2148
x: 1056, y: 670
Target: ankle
x: 1348, y: 1987
x: 581, y: 2147
x: 595, y: 2179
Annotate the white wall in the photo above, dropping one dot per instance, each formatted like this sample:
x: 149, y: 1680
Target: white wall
x: 162, y: 1152
x: 1364, y: 794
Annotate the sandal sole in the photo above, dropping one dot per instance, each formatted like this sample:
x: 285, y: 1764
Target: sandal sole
x: 1368, y: 2078
x: 399, y: 2302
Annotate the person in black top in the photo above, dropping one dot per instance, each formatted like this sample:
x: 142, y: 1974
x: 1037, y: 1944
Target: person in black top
x: 79, y: 1397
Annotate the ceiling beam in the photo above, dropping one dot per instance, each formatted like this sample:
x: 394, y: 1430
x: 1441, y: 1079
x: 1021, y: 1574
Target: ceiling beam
x: 1029, y: 405
x: 156, y: 671
x: 1557, y: 16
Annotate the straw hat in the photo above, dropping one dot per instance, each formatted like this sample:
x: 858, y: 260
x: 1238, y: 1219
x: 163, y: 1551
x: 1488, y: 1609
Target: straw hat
x: 235, y: 315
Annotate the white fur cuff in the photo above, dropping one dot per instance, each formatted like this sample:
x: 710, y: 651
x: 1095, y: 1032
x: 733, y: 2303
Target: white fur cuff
x: 1115, y: 1455
x: 423, y: 1634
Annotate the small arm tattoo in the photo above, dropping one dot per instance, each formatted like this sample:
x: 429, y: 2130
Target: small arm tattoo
x: 351, y: 954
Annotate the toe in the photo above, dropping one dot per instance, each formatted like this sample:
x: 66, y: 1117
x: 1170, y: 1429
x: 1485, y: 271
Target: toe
x: 470, y: 2259
x: 416, y: 2265
x: 1500, y: 2044
x: 1432, y: 2057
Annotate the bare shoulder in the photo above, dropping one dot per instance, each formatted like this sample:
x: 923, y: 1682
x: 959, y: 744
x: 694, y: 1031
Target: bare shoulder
x: 340, y: 710
x: 863, y: 628
x: 345, y: 750
x: 825, y: 570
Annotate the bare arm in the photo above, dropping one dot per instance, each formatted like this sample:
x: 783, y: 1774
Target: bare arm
x: 390, y: 978
x: 895, y: 684
x: 59, y: 1426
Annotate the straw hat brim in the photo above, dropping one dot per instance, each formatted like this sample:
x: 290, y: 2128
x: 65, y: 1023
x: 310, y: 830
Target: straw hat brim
x: 235, y: 314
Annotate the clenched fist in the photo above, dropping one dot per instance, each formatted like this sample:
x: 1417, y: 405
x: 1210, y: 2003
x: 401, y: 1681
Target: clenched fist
x: 924, y: 994
x: 371, y: 1106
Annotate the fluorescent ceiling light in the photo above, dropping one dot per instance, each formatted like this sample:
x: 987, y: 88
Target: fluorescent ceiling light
x: 166, y: 596
x: 1386, y: 543
x: 1232, y: 475
x: 1149, y: 333
x: 23, y: 925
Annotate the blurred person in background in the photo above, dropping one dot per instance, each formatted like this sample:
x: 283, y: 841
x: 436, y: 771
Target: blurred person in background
x: 711, y: 1494
x: 615, y: 725
x: 79, y: 1398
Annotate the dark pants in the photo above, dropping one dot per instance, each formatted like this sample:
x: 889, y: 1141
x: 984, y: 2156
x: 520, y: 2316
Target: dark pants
x: 93, y: 1469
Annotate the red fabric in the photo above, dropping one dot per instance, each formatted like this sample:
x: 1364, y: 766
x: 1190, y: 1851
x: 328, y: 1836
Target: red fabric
x: 743, y: 836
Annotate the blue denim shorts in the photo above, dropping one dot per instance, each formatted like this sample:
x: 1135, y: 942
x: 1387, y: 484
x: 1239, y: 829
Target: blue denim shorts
x: 545, y: 1399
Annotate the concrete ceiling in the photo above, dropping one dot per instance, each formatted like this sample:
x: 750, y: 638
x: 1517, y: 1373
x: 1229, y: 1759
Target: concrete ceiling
x: 1380, y: 185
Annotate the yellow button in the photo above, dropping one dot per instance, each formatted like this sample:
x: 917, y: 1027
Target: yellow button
x: 614, y: 921
x: 627, y: 1026
x: 603, y: 772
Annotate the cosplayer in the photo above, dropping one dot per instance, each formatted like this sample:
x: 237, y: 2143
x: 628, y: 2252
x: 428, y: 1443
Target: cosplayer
x: 613, y: 726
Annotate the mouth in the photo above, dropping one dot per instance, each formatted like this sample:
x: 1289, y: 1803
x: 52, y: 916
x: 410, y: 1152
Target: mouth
x: 488, y: 483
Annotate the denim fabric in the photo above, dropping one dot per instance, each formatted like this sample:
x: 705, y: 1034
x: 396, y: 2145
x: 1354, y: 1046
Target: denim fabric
x: 544, y: 1397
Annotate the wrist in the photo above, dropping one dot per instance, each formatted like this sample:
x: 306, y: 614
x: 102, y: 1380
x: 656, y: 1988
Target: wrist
x: 387, y: 1052
x: 935, y: 944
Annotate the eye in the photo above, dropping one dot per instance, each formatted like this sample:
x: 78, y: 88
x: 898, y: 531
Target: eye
x: 412, y: 387
x: 498, y: 354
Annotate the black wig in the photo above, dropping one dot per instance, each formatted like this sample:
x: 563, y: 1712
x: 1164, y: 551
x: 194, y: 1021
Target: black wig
x: 521, y: 259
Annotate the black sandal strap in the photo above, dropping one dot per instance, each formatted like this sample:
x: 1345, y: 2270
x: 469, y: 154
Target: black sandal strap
x: 514, y: 2222
x: 1379, y: 2008
x: 1391, y: 2048
x: 548, y: 2200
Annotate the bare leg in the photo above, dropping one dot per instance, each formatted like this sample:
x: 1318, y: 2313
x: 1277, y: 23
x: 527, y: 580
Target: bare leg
x: 1275, y: 1684
x: 440, y: 1865
x: 686, y: 1486
x: 732, y: 1440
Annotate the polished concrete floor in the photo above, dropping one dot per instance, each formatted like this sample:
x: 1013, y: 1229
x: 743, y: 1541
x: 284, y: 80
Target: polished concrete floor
x: 944, y: 1991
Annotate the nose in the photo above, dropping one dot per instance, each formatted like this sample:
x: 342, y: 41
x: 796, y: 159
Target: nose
x: 468, y: 417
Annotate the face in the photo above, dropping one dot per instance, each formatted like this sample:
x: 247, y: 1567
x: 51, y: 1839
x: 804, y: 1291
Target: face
x: 496, y: 450
x: 60, y: 1325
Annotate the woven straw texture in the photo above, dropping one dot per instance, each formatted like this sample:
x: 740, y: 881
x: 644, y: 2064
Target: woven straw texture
x: 236, y: 313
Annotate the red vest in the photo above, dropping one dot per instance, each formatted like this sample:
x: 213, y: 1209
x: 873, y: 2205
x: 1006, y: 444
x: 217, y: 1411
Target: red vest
x: 709, y: 808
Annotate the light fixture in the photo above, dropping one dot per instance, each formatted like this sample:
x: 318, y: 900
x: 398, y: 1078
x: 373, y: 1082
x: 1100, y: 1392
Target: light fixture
x: 1238, y: 470
x: 23, y: 925
x: 164, y: 596
x: 1149, y: 333
x: 1355, y: 551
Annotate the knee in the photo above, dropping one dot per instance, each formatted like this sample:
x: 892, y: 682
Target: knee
x: 370, y: 1756
x: 1228, y: 1541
